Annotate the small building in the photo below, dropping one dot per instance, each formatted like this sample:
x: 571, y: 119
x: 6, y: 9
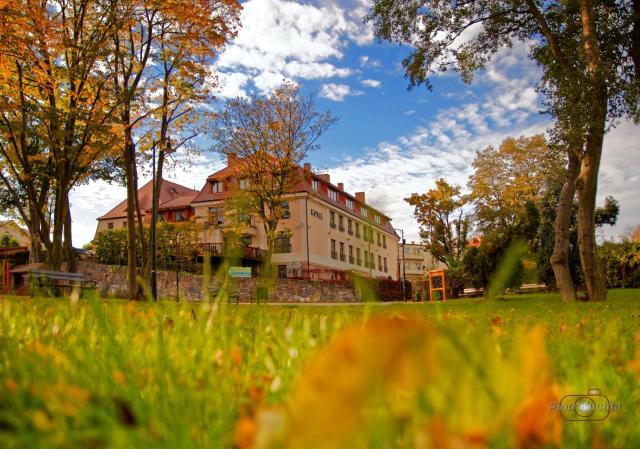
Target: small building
x: 178, y: 198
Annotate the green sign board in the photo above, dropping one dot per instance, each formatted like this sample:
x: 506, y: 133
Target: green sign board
x: 240, y: 272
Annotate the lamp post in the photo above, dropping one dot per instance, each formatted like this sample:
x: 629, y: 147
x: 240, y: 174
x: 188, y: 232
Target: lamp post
x: 154, y: 218
x: 404, y: 279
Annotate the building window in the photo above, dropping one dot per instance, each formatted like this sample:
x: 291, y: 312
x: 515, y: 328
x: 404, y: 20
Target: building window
x: 216, y: 216
x: 244, y: 218
x: 379, y: 263
x: 351, y: 259
x: 377, y: 218
x: 246, y: 240
x: 357, y: 230
x: 333, y: 195
x: 366, y: 258
x: 379, y: 239
x: 315, y: 184
x: 358, y: 259
x: 282, y: 271
x: 124, y: 224
x: 332, y: 219
x: 350, y: 227
x: 244, y: 184
x: 350, y: 203
x: 282, y: 243
x: 286, y: 213
x: 364, y: 212
x: 110, y: 225
x: 384, y: 241
x: 180, y: 216
x: 343, y: 257
x: 386, y: 269
x: 334, y: 255
x: 216, y: 187
x: 340, y: 223
x: 373, y: 261
x: 161, y: 218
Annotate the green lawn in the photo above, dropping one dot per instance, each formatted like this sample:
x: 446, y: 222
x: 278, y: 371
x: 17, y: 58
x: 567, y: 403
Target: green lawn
x: 465, y: 373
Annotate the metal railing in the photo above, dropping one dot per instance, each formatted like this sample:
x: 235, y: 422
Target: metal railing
x: 232, y: 250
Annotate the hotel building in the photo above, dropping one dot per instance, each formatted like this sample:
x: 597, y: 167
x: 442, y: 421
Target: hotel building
x: 325, y: 232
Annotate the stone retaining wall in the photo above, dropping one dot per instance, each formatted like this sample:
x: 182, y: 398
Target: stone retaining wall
x: 111, y: 280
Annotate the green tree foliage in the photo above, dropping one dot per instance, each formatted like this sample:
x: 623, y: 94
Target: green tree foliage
x: 621, y: 263
x: 589, y: 52
x: 444, y: 226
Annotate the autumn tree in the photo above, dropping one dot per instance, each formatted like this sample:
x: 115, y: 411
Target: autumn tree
x: 269, y: 138
x: 162, y: 64
x: 589, y: 53
x: 444, y: 224
x: 507, y: 178
x: 56, y: 113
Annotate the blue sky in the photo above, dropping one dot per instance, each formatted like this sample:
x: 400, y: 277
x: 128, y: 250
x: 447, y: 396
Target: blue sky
x: 389, y: 142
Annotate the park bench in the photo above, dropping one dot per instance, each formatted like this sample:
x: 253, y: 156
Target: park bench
x: 532, y: 288
x: 55, y: 283
x: 471, y: 292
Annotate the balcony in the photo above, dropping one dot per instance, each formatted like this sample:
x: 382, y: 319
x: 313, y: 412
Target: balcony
x: 352, y: 260
x: 359, y: 262
x: 343, y: 258
x: 332, y: 224
x: 357, y: 234
x: 228, y: 250
x: 341, y: 228
x: 334, y: 255
x: 350, y: 232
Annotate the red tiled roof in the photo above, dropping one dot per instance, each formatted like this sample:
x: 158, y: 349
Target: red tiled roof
x: 303, y: 186
x: 168, y: 192
x: 177, y: 202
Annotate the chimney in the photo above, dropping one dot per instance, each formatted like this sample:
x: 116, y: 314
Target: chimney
x: 360, y: 197
x: 341, y: 187
x: 325, y: 177
x: 307, y: 167
x: 231, y: 159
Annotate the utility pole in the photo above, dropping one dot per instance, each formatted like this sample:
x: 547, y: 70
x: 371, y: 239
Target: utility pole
x: 404, y: 278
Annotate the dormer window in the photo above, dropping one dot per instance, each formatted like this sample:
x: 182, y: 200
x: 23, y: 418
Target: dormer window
x: 216, y: 187
x: 378, y: 219
x: 333, y: 195
x: 315, y: 185
x: 350, y: 203
x: 364, y: 212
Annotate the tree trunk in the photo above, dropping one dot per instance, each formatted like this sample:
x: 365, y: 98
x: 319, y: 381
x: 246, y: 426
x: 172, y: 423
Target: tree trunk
x: 72, y: 258
x: 560, y: 257
x: 587, y: 180
x: 130, y: 166
x: 59, y: 216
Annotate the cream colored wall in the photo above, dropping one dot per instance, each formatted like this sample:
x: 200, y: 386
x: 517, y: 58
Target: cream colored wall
x: 103, y: 225
x: 320, y: 235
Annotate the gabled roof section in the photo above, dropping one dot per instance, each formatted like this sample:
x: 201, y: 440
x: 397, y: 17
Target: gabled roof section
x: 169, y: 191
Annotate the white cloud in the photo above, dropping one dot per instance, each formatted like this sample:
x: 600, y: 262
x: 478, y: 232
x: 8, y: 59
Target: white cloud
x: 337, y: 92
x: 231, y: 85
x: 409, y: 113
x: 281, y: 39
x: 371, y: 83
x: 368, y: 63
